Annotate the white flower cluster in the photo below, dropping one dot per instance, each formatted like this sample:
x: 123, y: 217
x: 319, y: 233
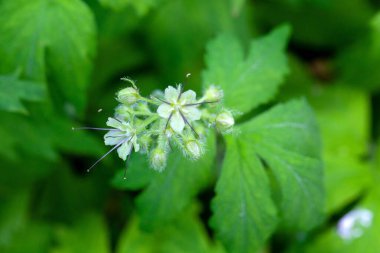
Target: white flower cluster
x: 156, y: 124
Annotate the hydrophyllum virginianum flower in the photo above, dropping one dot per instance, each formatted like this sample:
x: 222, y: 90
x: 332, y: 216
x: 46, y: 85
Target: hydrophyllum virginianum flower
x: 123, y: 137
x: 179, y: 108
x: 151, y: 125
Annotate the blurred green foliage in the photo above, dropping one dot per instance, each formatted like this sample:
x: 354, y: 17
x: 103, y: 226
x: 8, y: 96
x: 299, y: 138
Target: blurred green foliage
x: 302, y: 76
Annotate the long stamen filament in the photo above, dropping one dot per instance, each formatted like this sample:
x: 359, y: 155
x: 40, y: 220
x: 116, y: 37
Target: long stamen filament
x: 201, y: 103
x: 116, y: 136
x: 167, y: 122
x: 101, y: 158
x: 180, y: 91
x: 93, y: 128
x: 159, y: 99
x: 188, y: 123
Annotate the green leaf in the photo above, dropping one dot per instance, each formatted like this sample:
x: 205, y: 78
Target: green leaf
x: 309, y: 3
x: 12, y: 90
x: 50, y: 41
x: 247, y: 81
x: 244, y: 214
x: 185, y: 234
x: 141, y: 6
x: 33, y: 131
x: 237, y: 6
x: 66, y: 190
x: 13, y: 216
x: 378, y: 155
x: 347, y: 174
x: 34, y: 238
x: 138, y: 174
x: 366, y: 51
x: 17, y: 233
x: 88, y: 235
x: 169, y: 193
x: 287, y: 139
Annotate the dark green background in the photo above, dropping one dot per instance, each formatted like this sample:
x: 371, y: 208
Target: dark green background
x: 65, y: 64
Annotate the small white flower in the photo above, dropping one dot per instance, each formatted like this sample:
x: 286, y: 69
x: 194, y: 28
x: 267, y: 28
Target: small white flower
x: 180, y: 108
x: 158, y: 159
x: 128, y: 96
x: 194, y: 148
x: 224, y: 121
x: 122, y: 112
x: 213, y: 94
x: 123, y: 137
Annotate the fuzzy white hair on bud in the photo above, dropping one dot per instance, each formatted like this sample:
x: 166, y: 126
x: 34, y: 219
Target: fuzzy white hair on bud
x: 128, y: 96
x: 224, y: 121
x: 213, y: 93
x: 158, y: 158
x: 194, y: 149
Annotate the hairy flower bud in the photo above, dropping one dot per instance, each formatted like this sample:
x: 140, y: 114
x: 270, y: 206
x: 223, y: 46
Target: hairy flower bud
x: 128, y: 96
x: 142, y: 107
x: 145, y: 142
x: 158, y: 158
x: 193, y: 148
x: 122, y: 112
x: 224, y: 121
x: 213, y: 94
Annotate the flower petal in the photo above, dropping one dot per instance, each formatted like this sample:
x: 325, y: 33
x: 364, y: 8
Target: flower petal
x: 124, y: 150
x: 188, y: 97
x: 114, y: 123
x: 191, y: 113
x: 164, y: 110
x: 171, y: 94
x: 135, y: 144
x: 113, y: 137
x: 177, y: 123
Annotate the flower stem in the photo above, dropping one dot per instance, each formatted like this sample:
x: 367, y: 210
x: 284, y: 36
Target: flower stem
x: 148, y: 121
x: 151, y: 101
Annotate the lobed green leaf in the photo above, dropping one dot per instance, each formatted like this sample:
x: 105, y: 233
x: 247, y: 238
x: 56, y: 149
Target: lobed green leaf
x: 141, y: 6
x: 186, y: 234
x: 244, y: 214
x: 286, y: 137
x: 169, y: 193
x: 247, y: 81
x: 12, y: 90
x: 87, y: 235
x: 50, y: 41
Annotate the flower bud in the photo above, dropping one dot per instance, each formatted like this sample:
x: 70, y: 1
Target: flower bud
x: 193, y: 148
x: 122, y: 112
x: 213, y: 94
x: 128, y: 96
x: 145, y: 142
x: 142, y: 107
x: 158, y: 159
x: 224, y: 121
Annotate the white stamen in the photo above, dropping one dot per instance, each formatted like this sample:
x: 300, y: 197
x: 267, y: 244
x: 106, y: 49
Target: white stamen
x: 92, y: 128
x: 101, y: 158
